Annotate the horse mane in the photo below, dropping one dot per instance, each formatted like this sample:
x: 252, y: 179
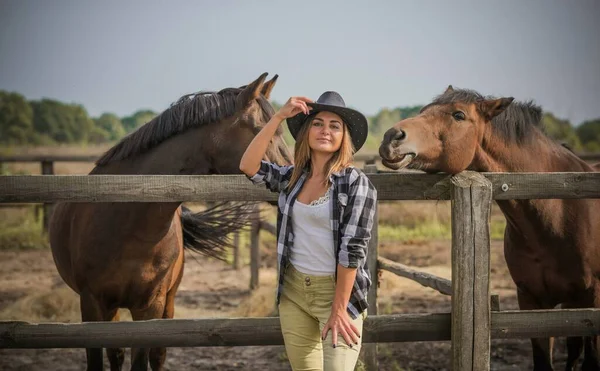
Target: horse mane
x: 190, y: 111
x: 517, y: 123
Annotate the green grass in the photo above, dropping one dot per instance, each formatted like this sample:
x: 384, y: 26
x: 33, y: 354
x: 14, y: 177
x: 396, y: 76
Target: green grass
x: 430, y: 230
x: 19, y: 230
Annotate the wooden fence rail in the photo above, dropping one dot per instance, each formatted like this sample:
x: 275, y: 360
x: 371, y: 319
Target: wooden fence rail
x: 266, y: 331
x: 216, y: 188
x: 439, y: 284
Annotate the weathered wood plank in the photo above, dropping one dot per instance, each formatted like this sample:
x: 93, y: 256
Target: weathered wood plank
x: 369, y: 352
x: 255, y: 250
x: 495, y: 303
x: 47, y: 169
x: 545, y: 323
x: 463, y: 251
x: 169, y: 188
x: 50, y: 158
x: 481, y: 197
x: 507, y: 186
x: 130, y: 188
x: 442, y: 285
x: 237, y: 262
x: 205, y: 332
x: 266, y: 331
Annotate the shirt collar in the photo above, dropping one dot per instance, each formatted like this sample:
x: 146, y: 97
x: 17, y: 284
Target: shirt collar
x: 332, y: 177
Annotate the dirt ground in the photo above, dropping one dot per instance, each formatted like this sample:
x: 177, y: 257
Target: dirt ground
x: 30, y: 289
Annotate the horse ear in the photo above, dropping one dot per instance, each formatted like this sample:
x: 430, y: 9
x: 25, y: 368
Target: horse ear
x: 251, y: 91
x: 492, y: 108
x: 268, y: 86
x: 449, y: 89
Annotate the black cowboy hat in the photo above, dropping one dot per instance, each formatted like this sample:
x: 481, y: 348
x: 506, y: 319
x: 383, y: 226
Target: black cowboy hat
x: 331, y: 101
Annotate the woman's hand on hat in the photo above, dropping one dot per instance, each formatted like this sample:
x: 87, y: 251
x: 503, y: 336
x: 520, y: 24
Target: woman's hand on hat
x: 294, y: 106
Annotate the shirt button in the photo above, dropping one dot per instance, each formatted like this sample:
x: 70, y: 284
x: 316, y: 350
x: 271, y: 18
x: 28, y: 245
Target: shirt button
x: 307, y: 279
x: 307, y: 283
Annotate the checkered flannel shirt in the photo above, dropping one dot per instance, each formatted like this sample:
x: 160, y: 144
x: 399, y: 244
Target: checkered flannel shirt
x: 352, y: 215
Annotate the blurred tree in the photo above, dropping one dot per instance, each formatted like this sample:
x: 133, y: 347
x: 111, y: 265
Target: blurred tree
x: 561, y: 130
x: 64, y: 123
x: 386, y: 118
x: 139, y: 118
x: 110, y: 124
x: 16, y: 119
x: 383, y: 120
x: 589, y: 134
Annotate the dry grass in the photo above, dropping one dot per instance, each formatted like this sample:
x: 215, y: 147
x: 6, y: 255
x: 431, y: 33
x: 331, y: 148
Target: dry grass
x: 21, y: 228
x: 61, y: 304
x: 58, y: 305
x: 413, y: 213
x: 260, y: 302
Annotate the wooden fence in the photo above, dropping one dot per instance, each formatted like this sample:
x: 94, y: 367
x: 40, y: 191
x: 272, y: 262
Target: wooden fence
x: 470, y: 325
x: 47, y: 167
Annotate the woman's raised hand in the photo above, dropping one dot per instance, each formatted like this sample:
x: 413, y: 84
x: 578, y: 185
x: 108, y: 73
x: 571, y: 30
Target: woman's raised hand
x: 294, y: 106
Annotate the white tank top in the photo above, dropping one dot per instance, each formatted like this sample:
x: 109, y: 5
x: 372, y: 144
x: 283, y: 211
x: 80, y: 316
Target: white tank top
x: 313, y: 249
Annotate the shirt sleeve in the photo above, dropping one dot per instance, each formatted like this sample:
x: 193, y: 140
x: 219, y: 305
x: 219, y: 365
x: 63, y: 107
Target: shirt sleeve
x: 275, y: 177
x: 357, y: 221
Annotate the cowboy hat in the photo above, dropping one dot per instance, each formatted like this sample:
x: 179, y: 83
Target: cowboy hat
x: 331, y: 101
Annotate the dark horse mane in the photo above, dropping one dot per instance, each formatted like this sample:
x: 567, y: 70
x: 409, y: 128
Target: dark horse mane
x: 516, y: 124
x: 190, y: 111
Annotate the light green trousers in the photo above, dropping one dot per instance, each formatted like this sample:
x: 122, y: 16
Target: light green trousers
x: 304, y: 308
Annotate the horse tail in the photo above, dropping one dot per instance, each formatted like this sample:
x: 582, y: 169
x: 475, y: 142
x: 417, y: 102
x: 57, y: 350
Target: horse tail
x: 207, y: 232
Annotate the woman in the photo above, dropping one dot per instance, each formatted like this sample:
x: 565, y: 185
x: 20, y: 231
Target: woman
x: 324, y: 221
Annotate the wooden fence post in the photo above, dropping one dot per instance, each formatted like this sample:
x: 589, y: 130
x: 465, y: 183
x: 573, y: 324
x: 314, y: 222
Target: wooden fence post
x: 47, y: 169
x: 370, y: 350
x: 237, y: 264
x: 471, y: 317
x: 255, y: 249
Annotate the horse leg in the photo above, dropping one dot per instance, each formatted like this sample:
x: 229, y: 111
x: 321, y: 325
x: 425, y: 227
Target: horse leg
x: 542, y: 347
x: 159, y: 355
x: 591, y: 359
x: 574, y: 343
x: 91, y: 311
x: 139, y: 356
x: 574, y: 350
x: 116, y: 356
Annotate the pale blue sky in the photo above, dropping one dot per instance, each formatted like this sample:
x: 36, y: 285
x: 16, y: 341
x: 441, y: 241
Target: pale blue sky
x: 121, y: 56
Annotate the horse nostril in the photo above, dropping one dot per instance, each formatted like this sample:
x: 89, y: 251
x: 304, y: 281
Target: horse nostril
x: 400, y: 135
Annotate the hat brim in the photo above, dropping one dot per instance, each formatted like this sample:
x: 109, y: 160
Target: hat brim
x: 354, y: 120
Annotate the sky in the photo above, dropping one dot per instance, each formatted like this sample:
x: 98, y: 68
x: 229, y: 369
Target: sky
x: 122, y: 56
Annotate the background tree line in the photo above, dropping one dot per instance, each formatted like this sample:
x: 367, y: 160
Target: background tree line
x: 47, y: 122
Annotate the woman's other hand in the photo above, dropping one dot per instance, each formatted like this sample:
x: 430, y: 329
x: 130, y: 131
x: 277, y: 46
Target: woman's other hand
x: 339, y: 323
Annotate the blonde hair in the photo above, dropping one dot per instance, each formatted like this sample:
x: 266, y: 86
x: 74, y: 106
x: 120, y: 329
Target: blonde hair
x: 340, y: 160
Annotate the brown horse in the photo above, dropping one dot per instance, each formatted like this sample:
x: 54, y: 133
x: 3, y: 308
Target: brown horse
x: 552, y: 247
x: 130, y: 255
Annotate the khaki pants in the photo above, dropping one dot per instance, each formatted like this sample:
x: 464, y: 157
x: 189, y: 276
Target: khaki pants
x: 304, y: 309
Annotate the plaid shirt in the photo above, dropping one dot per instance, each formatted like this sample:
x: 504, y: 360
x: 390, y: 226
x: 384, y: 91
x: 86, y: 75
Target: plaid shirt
x: 352, y: 216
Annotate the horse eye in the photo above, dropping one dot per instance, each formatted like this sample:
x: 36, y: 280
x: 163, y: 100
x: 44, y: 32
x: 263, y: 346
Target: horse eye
x: 458, y: 116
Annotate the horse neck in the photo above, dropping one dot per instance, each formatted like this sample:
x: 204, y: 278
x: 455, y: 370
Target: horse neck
x: 539, y: 154
x: 183, y: 154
